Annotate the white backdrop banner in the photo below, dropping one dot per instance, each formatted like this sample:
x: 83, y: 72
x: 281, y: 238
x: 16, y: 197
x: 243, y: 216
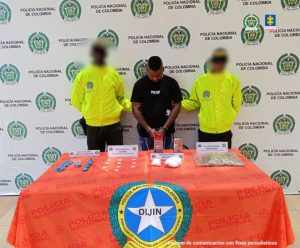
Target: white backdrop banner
x: 43, y: 45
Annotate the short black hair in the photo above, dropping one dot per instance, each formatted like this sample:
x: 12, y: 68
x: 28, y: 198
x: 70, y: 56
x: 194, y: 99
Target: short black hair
x: 154, y: 63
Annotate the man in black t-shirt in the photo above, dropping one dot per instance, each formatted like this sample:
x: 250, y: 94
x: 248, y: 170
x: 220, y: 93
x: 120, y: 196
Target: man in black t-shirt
x: 156, y: 104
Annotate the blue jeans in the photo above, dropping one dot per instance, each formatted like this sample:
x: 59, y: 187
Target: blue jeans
x: 148, y: 144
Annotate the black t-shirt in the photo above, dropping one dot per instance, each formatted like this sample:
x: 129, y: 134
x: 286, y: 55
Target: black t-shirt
x: 156, y: 99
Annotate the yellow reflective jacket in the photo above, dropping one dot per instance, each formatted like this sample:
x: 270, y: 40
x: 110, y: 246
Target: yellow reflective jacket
x: 219, y: 98
x: 98, y: 93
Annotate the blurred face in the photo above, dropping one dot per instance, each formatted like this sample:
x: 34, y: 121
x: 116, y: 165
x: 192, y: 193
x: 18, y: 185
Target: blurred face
x: 155, y: 76
x: 218, y: 65
x: 98, y: 56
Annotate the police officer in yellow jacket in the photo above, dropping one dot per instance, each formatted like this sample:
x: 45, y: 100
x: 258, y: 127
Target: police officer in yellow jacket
x: 217, y: 94
x: 98, y: 93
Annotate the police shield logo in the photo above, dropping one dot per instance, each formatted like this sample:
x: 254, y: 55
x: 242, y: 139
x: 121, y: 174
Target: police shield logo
x: 206, y: 94
x: 252, y: 36
x: 51, y: 155
x: 23, y: 180
x: 282, y: 177
x: 45, y: 102
x: 288, y: 64
x: 72, y: 70
x: 251, y: 21
x: 77, y: 130
x: 179, y: 37
x: 111, y: 36
x: 9, y: 74
x: 5, y: 13
x: 290, y: 4
x: 251, y: 96
x: 249, y: 150
x: 150, y: 215
x: 284, y: 124
x: 89, y: 86
x: 253, y: 32
x: 142, y: 8
x: 140, y: 69
x: 70, y: 10
x: 38, y: 43
x: 185, y: 94
x: 216, y: 6
x: 17, y: 130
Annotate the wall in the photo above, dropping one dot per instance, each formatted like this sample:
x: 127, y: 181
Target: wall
x: 44, y: 43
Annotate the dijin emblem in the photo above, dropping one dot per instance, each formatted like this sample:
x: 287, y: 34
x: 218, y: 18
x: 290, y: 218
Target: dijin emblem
x: 150, y: 215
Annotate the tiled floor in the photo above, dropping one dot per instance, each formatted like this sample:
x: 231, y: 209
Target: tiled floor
x: 7, y: 206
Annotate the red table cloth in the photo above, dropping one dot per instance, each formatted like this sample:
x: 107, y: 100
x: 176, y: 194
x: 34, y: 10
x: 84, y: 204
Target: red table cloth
x: 129, y: 203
